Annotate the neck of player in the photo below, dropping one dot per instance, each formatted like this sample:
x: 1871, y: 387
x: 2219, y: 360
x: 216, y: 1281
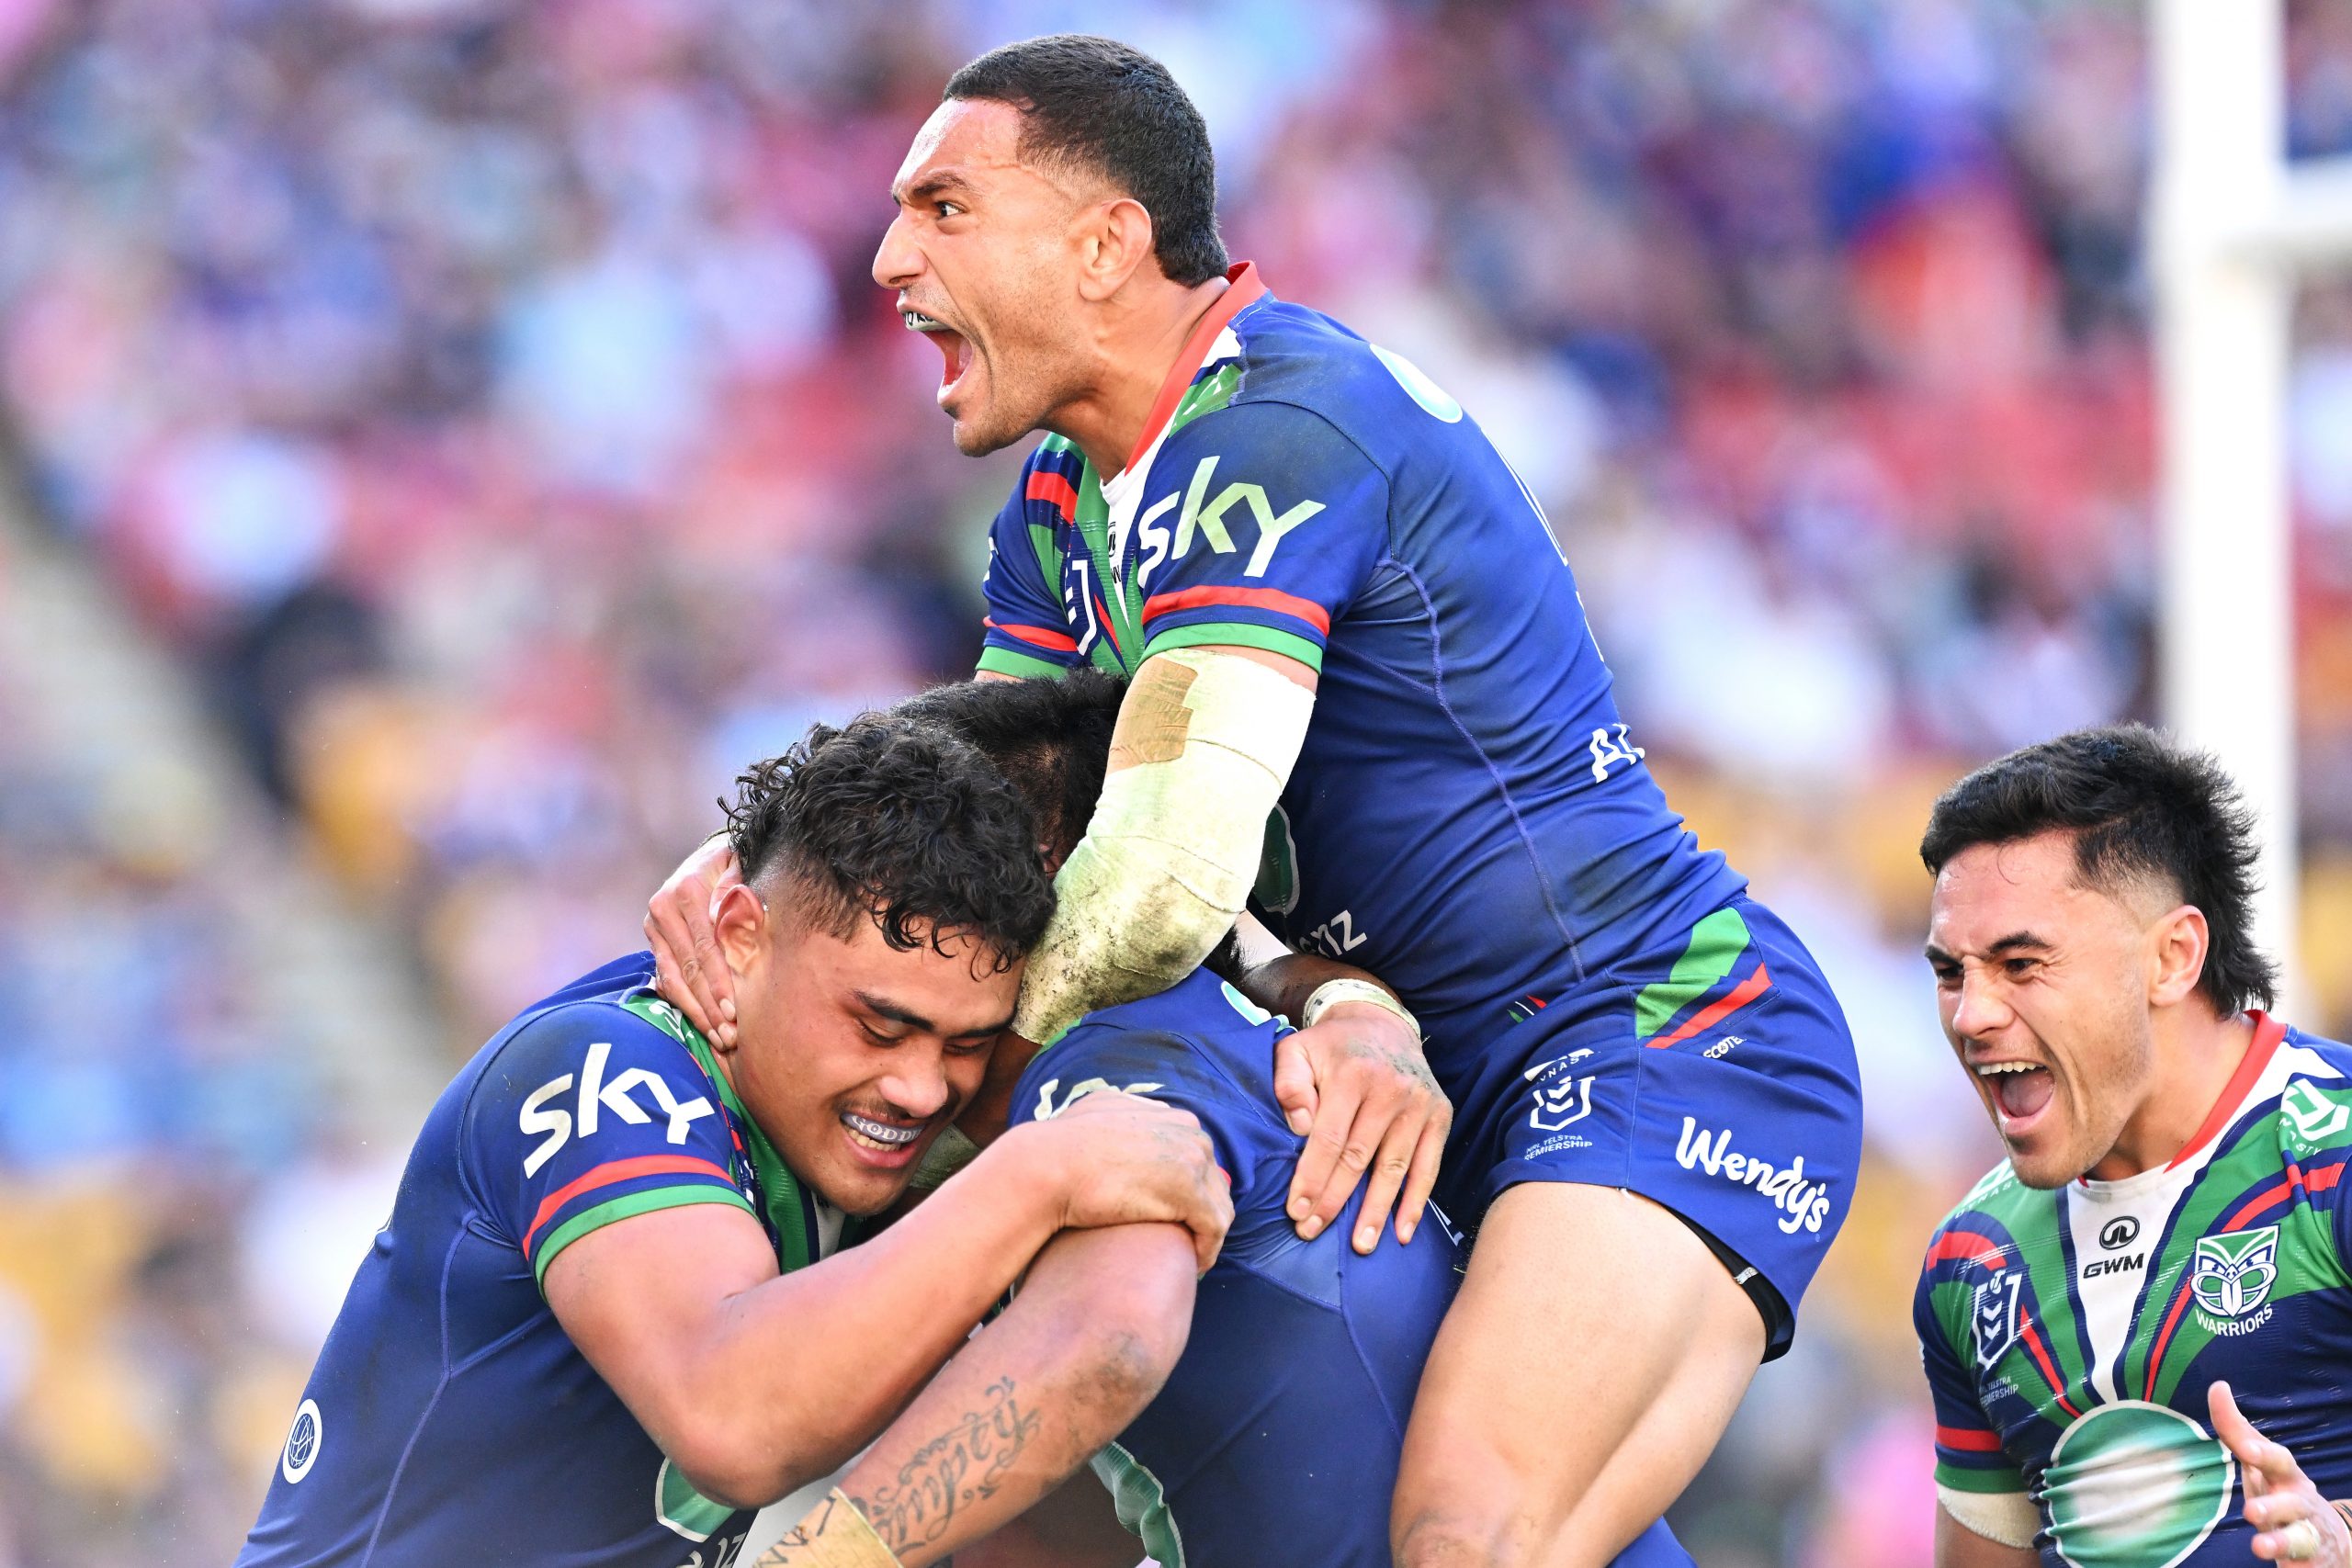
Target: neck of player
x: 1136, y: 337
x: 2196, y: 1052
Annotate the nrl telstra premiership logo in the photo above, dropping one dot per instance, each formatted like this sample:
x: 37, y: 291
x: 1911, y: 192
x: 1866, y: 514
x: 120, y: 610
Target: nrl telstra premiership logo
x: 2311, y: 1115
x: 2232, y: 1275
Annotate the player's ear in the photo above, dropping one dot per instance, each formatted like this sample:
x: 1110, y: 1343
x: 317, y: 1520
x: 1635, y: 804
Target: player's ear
x: 739, y: 922
x: 2177, y: 945
x: 1115, y: 239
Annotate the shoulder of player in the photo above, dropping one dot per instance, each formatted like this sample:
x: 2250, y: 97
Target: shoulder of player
x: 574, y: 1038
x: 1276, y: 412
x: 1998, y: 1202
x: 1198, y: 1034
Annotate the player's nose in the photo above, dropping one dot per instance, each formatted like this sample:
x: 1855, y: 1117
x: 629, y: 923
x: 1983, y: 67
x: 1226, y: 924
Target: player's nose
x: 898, y: 260
x: 917, y: 1084
x: 1981, y: 1012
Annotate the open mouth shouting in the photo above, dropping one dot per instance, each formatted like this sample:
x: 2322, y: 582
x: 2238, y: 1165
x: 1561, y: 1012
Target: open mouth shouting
x: 954, y: 347
x: 2021, y: 1092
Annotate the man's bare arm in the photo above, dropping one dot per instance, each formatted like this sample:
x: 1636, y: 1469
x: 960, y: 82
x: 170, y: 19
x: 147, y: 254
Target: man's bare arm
x: 755, y: 1383
x: 1957, y: 1546
x: 1082, y: 1349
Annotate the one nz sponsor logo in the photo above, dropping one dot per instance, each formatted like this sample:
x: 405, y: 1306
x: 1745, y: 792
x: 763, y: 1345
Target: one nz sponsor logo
x: 1803, y: 1202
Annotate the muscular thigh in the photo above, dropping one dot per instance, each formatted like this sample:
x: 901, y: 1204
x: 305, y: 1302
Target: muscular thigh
x: 1586, y: 1370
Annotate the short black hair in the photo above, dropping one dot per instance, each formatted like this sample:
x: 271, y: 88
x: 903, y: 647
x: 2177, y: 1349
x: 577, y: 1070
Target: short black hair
x: 2139, y: 804
x: 903, y: 824
x: 1052, y: 739
x: 1096, y: 104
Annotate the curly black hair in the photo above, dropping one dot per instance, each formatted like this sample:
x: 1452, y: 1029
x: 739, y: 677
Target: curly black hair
x: 902, y: 823
x: 2139, y: 805
x: 1052, y: 739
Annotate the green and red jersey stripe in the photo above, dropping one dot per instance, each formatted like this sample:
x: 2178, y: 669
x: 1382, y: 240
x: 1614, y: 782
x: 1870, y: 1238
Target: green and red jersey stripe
x: 1270, y: 599
x: 611, y: 1171
x: 1036, y: 637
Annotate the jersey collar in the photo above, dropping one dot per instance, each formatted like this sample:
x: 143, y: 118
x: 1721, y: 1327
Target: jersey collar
x: 1243, y: 288
x: 792, y: 1219
x: 2268, y: 1033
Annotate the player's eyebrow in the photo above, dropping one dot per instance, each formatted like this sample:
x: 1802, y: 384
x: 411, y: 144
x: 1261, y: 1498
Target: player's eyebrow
x: 940, y: 182
x: 2015, y: 941
x: 882, y: 1006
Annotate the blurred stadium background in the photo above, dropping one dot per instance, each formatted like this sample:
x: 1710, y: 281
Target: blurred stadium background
x: 444, y: 439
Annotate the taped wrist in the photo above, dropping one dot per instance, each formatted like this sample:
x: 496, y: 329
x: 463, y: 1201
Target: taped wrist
x: 1331, y: 993
x: 1204, y: 743
x: 2008, y: 1518
x: 834, y: 1534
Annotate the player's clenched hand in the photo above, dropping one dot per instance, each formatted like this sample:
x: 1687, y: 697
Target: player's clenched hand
x: 1124, y: 1160
x: 687, y: 968
x: 2296, y: 1524
x: 1358, y: 1086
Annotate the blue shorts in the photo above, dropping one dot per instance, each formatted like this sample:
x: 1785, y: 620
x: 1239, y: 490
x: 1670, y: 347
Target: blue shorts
x: 1715, y: 1076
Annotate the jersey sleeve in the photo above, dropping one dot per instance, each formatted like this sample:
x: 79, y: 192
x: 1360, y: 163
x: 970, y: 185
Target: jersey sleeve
x: 1263, y: 523
x: 1027, y: 631
x: 590, y: 1115
x: 1159, y: 1065
x: 1969, y: 1457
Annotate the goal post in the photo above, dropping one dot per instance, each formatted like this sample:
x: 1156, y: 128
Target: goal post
x: 2231, y: 229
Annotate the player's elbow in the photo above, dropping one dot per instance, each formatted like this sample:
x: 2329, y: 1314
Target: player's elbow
x: 737, y: 1467
x: 1128, y: 1330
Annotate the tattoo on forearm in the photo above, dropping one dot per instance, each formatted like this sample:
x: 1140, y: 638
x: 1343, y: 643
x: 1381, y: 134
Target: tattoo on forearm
x: 962, y: 1465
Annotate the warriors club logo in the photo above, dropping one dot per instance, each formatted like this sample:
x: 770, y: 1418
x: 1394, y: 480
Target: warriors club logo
x: 2232, y: 1275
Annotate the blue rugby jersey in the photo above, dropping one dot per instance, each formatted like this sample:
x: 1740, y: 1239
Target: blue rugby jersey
x: 1276, y: 1438
x: 450, y: 1420
x: 1470, y: 818
x: 2070, y: 1336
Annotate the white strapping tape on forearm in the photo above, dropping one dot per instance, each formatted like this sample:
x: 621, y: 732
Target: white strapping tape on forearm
x: 1204, y: 744
x: 834, y: 1534
x: 2008, y: 1518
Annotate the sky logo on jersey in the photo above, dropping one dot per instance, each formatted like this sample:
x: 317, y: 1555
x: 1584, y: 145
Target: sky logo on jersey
x: 1805, y: 1203
x: 1204, y: 519
x: 1049, y: 1107
x: 2232, y: 1275
x: 596, y: 1096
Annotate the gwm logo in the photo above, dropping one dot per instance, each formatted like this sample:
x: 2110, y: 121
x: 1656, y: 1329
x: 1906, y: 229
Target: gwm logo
x: 2232, y: 1275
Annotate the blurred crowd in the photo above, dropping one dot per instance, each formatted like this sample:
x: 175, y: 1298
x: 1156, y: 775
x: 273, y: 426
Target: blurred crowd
x: 488, y: 404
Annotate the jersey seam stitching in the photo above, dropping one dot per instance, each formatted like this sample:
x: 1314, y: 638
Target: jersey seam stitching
x: 392, y: 1486
x: 1502, y: 789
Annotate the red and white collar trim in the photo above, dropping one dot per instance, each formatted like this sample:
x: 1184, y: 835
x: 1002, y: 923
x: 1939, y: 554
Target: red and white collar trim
x: 2268, y: 1033
x: 1243, y: 288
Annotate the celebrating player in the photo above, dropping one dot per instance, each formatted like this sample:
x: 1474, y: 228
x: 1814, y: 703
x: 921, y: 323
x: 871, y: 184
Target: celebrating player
x: 2171, y: 1223
x: 1276, y: 1438
x: 616, y: 1304
x: 1363, y: 686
